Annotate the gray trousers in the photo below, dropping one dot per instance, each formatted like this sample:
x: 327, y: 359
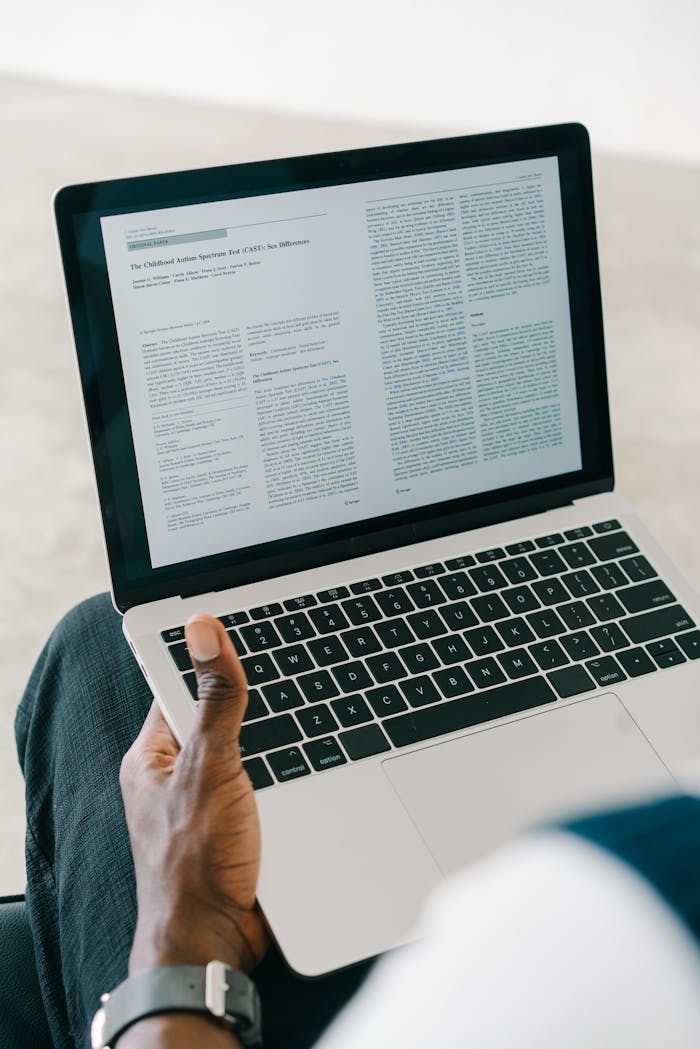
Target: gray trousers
x: 84, y: 704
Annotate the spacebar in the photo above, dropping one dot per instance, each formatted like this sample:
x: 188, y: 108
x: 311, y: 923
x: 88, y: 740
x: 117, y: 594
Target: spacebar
x: 470, y: 710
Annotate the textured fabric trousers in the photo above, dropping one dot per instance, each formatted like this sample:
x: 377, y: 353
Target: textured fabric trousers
x: 83, y: 706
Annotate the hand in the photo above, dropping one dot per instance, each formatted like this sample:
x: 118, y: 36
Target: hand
x: 193, y: 823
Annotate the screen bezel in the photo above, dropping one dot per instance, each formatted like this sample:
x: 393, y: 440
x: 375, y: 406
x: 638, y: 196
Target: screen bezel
x: 78, y: 210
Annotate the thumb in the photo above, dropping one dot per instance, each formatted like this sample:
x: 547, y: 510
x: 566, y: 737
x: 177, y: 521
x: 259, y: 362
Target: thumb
x: 222, y: 688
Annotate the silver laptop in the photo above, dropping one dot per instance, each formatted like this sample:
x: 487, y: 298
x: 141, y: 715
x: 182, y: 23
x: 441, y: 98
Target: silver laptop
x: 355, y: 405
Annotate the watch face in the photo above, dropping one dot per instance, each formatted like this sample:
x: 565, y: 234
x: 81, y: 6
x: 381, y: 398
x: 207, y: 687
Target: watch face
x: 97, y: 1029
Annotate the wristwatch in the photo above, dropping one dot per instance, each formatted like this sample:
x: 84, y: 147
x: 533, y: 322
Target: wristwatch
x: 215, y: 990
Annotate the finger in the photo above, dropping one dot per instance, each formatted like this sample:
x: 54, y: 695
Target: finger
x: 155, y: 748
x: 155, y: 735
x: 222, y: 688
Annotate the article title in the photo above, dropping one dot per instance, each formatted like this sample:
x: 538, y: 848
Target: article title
x: 212, y: 256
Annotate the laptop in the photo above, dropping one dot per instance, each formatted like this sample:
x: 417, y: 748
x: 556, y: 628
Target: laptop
x: 355, y: 406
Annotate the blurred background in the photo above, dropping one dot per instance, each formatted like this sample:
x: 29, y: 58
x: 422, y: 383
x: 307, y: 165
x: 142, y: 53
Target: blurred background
x: 93, y: 91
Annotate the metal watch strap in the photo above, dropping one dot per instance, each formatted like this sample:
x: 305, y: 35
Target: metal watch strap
x: 214, y: 990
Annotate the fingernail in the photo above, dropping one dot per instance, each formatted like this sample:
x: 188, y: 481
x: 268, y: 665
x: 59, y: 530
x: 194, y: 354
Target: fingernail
x: 203, y: 640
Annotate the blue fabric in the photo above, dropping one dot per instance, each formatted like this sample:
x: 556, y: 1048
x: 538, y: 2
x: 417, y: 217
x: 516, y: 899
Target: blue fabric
x: 83, y: 706
x: 662, y: 842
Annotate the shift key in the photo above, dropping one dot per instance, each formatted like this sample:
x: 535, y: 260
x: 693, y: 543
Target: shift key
x: 649, y: 625
x: 268, y: 734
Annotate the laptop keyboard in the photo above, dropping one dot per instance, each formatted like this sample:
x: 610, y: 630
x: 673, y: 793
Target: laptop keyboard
x: 346, y: 673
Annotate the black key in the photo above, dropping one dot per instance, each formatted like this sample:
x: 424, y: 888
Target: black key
x: 175, y: 633
x: 429, y: 570
x: 419, y: 658
x: 546, y: 623
x: 690, y: 643
x: 518, y: 570
x: 327, y: 650
x: 259, y: 669
x: 580, y: 645
x: 488, y: 578
x: 361, y: 610
x: 295, y: 604
x: 293, y: 660
x: 237, y: 643
x: 520, y: 599
x: 329, y: 619
x: 385, y: 701
x: 260, y: 636
x: 646, y: 595
x: 470, y: 710
x: 549, y: 540
x: 550, y: 591
x: 671, y: 658
x: 636, y: 662
x: 419, y: 691
x: 426, y: 624
x: 351, y: 710
x: 457, y: 586
x: 397, y: 578
x: 617, y: 544
x: 607, y: 526
x: 649, y: 625
x: 234, y: 619
x: 364, y: 742
x: 609, y: 637
x: 571, y: 681
x: 515, y: 632
x: 394, y: 602
x: 453, y: 682
x: 257, y: 773
x: 580, y: 584
x: 334, y: 594
x: 451, y: 649
x: 577, y: 555
x: 318, y: 685
x: 549, y: 654
x: 288, y: 764
x: 394, y: 632
x: 361, y: 642
x: 520, y: 548
x: 458, y: 616
x: 265, y: 611
x: 256, y: 707
x: 351, y: 676
x: 578, y: 533
x: 386, y: 667
x: 366, y: 586
x: 575, y: 615
x: 517, y: 663
x: 605, y: 670
x: 191, y: 682
x: 455, y: 563
x: 325, y: 753
x: 181, y: 656
x: 426, y: 594
x: 489, y: 608
x: 485, y: 673
x: 609, y: 576
x: 484, y: 641
x: 282, y: 695
x: 494, y: 554
x: 295, y: 628
x: 548, y: 562
x: 656, y: 647
x: 268, y: 733
x: 638, y: 568
x: 316, y: 720
x: 606, y: 607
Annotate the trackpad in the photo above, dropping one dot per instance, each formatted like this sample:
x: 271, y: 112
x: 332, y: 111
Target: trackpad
x: 468, y: 795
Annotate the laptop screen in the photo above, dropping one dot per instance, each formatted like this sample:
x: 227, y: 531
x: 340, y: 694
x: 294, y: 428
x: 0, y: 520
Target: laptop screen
x: 301, y: 362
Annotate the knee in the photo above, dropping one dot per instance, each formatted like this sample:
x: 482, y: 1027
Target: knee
x: 91, y: 624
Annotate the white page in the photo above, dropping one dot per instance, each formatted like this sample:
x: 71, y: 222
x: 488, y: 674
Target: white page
x: 302, y: 360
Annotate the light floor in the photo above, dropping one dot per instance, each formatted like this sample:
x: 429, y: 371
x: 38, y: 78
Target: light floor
x: 50, y: 544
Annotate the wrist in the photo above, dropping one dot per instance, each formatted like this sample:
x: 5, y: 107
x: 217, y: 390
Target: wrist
x: 180, y: 936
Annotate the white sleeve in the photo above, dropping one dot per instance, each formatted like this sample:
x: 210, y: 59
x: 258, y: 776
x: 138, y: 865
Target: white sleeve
x: 550, y: 943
